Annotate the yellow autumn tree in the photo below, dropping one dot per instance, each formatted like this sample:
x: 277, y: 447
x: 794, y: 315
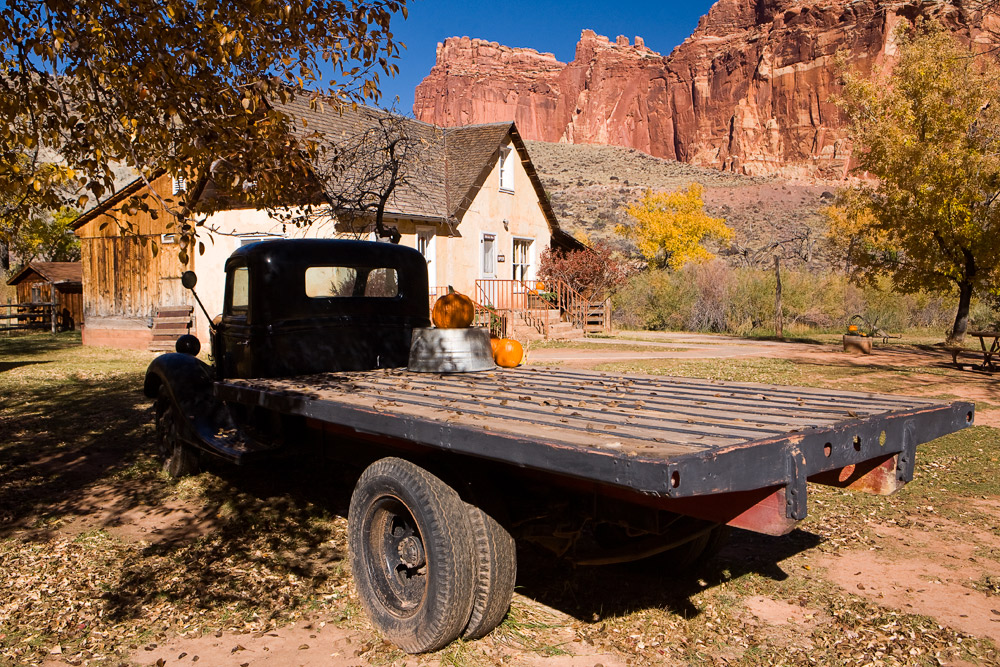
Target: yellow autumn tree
x: 671, y: 228
x: 929, y: 132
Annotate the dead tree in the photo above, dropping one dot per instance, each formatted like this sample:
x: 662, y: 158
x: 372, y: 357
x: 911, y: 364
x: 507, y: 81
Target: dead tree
x: 361, y: 172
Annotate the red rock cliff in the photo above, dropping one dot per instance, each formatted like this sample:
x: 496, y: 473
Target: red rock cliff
x: 749, y: 91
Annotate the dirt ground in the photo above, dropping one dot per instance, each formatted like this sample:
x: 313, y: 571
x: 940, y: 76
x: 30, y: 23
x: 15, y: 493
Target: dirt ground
x: 926, y: 562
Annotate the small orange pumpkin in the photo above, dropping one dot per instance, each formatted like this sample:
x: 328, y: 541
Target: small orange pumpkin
x: 494, y: 343
x: 453, y: 311
x: 507, y: 353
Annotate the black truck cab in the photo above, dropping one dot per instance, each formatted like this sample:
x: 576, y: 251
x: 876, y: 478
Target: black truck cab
x: 310, y: 306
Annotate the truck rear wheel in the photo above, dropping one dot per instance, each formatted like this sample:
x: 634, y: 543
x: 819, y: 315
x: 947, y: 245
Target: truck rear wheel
x: 179, y: 458
x: 496, y: 570
x: 411, y: 547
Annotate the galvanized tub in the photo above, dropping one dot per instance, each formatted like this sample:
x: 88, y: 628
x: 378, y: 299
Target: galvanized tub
x: 434, y: 350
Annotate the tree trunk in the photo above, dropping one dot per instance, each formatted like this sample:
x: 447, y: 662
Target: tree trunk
x: 962, y: 317
x: 779, y: 319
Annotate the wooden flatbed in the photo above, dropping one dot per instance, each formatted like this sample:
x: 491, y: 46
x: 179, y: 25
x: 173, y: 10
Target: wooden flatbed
x: 662, y: 437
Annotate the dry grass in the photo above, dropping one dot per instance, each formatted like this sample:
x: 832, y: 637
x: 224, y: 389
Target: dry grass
x: 72, y: 420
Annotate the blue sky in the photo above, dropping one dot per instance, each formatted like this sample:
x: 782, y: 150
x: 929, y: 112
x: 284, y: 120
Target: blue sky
x: 545, y: 26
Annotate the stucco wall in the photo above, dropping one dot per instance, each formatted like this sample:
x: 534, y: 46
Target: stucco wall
x: 461, y: 255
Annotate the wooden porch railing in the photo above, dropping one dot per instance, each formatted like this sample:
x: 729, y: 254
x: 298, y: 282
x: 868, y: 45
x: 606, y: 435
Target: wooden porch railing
x: 532, y: 300
x: 515, y: 298
x: 486, y: 317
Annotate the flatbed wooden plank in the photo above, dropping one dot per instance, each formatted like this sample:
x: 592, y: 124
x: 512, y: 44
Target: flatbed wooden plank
x: 658, y: 415
x: 640, y: 432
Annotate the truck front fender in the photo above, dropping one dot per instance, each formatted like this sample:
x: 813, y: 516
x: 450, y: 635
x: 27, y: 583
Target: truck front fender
x: 187, y: 383
x: 180, y: 373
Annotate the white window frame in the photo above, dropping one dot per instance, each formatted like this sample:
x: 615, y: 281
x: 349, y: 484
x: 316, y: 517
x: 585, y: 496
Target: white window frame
x: 178, y: 185
x: 429, y: 252
x: 482, y: 255
x: 531, y: 258
x: 506, y: 169
x: 247, y: 239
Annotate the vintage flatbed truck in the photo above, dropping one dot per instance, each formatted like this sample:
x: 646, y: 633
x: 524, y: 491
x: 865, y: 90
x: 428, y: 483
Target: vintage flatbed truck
x: 310, y: 355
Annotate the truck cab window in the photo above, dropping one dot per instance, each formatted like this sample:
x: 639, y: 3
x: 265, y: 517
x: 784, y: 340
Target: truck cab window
x: 324, y: 282
x: 239, y: 296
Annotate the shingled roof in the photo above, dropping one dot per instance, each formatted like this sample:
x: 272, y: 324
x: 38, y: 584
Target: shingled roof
x: 447, y: 167
x: 53, y: 272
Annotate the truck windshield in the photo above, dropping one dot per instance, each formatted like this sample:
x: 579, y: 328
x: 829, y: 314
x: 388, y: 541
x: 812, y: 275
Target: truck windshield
x: 323, y: 282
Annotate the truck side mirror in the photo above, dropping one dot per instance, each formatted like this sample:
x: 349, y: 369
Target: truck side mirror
x: 189, y: 279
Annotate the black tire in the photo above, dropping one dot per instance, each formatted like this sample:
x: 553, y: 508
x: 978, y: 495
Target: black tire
x: 496, y: 570
x: 411, y: 547
x: 179, y: 458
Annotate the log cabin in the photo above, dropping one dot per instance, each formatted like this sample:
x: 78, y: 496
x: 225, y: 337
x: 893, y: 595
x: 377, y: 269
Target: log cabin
x: 36, y: 281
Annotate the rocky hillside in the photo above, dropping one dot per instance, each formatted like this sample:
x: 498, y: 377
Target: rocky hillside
x: 748, y: 92
x: 591, y: 185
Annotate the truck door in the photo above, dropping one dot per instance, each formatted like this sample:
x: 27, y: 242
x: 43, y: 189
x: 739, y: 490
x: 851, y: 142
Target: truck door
x: 233, y: 348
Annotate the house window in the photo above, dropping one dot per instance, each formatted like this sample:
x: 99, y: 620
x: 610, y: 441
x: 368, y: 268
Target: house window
x: 36, y: 293
x: 506, y: 169
x: 523, y: 269
x: 489, y: 244
x: 426, y: 246
x: 178, y: 185
x: 257, y: 238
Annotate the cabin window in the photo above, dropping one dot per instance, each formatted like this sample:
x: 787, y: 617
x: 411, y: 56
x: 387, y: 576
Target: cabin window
x: 506, y: 169
x: 36, y: 293
x: 522, y: 259
x: 324, y: 282
x: 178, y: 185
x: 239, y: 297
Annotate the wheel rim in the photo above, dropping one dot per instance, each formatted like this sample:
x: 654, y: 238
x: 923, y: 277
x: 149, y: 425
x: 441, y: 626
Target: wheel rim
x: 396, y: 557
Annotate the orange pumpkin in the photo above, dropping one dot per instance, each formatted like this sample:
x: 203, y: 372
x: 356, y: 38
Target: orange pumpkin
x: 507, y: 353
x: 453, y: 311
x: 494, y: 343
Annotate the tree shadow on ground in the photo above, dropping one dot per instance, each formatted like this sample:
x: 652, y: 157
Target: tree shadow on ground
x: 57, y: 440
x: 11, y: 365
x: 30, y: 345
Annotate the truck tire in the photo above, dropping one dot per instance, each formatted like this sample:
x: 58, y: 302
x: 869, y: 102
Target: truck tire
x: 412, y: 555
x: 496, y: 570
x: 179, y: 458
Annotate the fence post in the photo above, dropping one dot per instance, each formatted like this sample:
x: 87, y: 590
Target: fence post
x: 52, y: 293
x: 7, y: 321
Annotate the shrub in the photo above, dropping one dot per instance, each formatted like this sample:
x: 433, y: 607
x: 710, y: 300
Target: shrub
x: 715, y: 297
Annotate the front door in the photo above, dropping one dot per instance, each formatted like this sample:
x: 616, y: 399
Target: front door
x: 489, y: 256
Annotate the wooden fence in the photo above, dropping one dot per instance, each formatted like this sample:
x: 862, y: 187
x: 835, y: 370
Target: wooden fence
x: 29, y: 316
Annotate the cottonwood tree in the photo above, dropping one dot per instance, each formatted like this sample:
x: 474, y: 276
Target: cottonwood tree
x: 174, y: 86
x: 671, y: 228
x: 929, y: 132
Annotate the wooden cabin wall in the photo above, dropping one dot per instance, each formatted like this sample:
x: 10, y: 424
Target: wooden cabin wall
x: 71, y: 305
x: 121, y: 277
x: 24, y: 288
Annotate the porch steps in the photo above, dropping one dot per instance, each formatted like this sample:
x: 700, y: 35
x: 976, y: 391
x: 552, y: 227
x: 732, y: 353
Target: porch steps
x: 558, y: 329
x: 169, y: 324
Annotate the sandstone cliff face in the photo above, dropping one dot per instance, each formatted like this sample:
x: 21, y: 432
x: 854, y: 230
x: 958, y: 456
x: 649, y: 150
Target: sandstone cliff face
x: 749, y: 91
